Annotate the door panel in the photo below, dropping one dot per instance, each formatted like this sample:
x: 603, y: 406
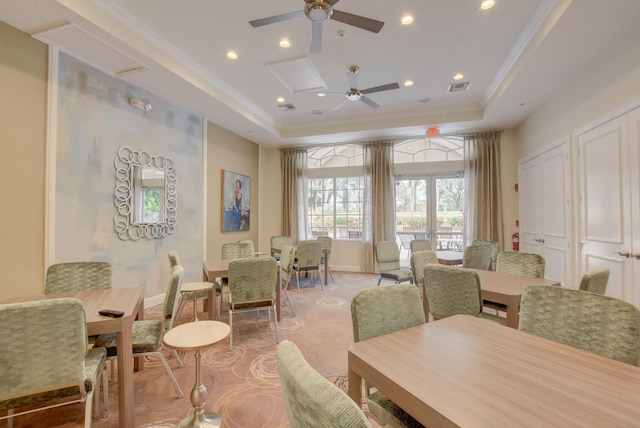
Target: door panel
x: 604, y: 160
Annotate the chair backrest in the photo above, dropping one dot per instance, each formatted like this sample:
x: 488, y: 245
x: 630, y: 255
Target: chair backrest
x: 171, y: 297
x: 280, y: 241
x: 387, y: 255
x: 526, y: 264
x: 477, y: 257
x: 589, y: 321
x: 252, y: 280
x: 452, y: 290
x: 418, y: 261
x: 43, y: 344
x: 287, y: 257
x: 174, y: 259
x: 420, y: 245
x: 236, y: 250
x: 495, y: 249
x: 595, y: 281
x: 309, y: 253
x: 250, y: 242
x: 326, y: 242
x: 310, y: 399
x: 381, y: 310
x: 77, y: 276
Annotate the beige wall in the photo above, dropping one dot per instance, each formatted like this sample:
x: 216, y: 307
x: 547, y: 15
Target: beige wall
x: 228, y: 151
x: 605, y: 86
x: 270, y: 215
x: 509, y: 176
x: 23, y: 90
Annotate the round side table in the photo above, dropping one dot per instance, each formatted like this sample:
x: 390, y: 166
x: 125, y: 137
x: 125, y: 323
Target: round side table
x: 195, y: 336
x: 194, y: 287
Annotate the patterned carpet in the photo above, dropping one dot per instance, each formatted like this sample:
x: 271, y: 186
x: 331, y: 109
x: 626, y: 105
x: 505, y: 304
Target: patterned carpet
x: 243, y: 385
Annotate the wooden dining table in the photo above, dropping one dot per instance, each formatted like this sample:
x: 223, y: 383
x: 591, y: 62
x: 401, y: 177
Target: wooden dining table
x: 449, y: 258
x: 212, y: 269
x: 503, y: 288
x: 128, y: 300
x: 464, y: 371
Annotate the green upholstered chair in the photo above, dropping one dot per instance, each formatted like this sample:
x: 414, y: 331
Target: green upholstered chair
x: 454, y: 290
x: 388, y: 258
x: 418, y: 261
x: 525, y: 264
x: 277, y: 242
x: 77, y: 276
x: 420, y: 245
x: 287, y: 256
x: 595, y: 281
x: 477, y: 257
x: 147, y: 335
x: 382, y: 310
x: 310, y: 399
x: 237, y: 250
x: 327, y: 243
x: 250, y: 242
x: 45, y: 360
x: 589, y: 321
x: 495, y: 249
x: 308, y: 259
x: 252, y: 285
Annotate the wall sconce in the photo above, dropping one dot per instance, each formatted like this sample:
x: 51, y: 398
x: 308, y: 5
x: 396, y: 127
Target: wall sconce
x: 139, y: 104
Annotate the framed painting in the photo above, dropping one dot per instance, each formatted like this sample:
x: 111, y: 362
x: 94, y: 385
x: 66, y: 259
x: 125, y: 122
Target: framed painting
x: 236, y: 202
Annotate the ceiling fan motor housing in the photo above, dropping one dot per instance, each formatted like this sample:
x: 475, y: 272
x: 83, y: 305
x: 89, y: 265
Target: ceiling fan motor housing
x: 318, y: 11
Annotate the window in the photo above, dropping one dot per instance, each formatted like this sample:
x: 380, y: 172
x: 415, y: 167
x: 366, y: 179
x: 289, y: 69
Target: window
x: 335, y: 207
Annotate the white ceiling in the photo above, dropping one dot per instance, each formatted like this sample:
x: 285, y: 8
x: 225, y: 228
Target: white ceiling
x: 515, y: 55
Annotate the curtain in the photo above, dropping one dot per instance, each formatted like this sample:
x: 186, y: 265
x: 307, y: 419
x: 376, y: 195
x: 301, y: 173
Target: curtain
x: 483, y: 196
x: 294, y: 203
x: 379, y: 200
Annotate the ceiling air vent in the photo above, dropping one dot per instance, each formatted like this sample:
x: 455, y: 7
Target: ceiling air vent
x: 286, y: 107
x: 458, y: 86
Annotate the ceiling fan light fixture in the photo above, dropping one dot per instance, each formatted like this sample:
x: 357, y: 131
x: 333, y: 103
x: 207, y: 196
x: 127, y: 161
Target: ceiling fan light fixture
x: 353, y: 94
x: 318, y: 11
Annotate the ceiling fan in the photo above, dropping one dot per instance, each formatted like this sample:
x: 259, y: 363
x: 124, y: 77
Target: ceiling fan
x: 318, y: 12
x: 354, y: 94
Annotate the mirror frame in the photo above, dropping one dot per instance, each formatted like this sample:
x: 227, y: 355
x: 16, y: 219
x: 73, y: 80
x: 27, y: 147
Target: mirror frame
x: 125, y: 227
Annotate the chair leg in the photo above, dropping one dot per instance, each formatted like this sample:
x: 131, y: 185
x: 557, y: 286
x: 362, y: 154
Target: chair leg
x: 163, y: 360
x: 379, y: 280
x: 275, y: 321
x: 180, y: 306
x: 320, y: 277
x: 297, y: 280
x: 287, y: 301
x: 230, y: 329
x: 177, y: 358
x: 87, y: 409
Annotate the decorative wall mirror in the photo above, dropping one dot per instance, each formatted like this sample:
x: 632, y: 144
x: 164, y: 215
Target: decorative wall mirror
x: 145, y: 195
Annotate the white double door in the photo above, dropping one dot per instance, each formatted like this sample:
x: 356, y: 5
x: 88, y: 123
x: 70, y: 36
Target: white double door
x: 609, y: 203
x: 545, y: 213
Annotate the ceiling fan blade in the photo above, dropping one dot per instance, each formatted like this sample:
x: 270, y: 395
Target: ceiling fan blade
x: 316, y: 37
x: 331, y: 2
x: 276, y: 18
x: 357, y: 21
x: 381, y: 88
x: 340, y: 104
x: 369, y: 102
x: 352, y: 79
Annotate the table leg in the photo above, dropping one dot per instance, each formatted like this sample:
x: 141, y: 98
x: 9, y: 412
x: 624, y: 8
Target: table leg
x: 125, y: 376
x: 212, y: 302
x: 326, y: 268
x: 200, y: 418
x: 512, y: 311
x: 278, y: 296
x: 355, y: 386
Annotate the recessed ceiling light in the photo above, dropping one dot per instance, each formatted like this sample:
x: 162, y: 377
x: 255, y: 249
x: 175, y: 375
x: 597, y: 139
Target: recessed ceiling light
x: 424, y: 100
x: 408, y: 83
x: 321, y: 94
x: 284, y: 43
x: 458, y: 76
x: 280, y: 99
x: 232, y: 55
x: 406, y: 20
x: 487, y: 4
x: 317, y: 112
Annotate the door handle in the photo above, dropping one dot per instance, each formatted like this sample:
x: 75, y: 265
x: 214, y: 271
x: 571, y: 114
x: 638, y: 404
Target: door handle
x: 636, y: 256
x: 539, y: 240
x: 623, y: 254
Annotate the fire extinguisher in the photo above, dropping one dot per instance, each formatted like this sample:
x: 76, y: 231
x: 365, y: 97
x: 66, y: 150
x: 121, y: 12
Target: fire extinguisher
x: 515, y: 241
